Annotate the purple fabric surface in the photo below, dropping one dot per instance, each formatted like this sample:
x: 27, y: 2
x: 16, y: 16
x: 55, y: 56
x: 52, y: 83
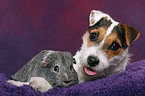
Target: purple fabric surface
x: 128, y: 83
x: 29, y: 26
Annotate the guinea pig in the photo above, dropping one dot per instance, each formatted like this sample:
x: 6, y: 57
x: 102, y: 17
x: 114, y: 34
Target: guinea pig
x: 46, y: 70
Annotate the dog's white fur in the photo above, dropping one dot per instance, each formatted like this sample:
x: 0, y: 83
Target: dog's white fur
x: 115, y: 65
x: 106, y: 66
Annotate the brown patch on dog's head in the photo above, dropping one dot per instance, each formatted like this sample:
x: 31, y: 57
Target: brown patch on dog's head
x: 97, y: 32
x: 126, y: 34
x: 99, y: 36
x: 101, y: 32
x: 87, y: 38
x: 121, y: 37
x: 112, y: 45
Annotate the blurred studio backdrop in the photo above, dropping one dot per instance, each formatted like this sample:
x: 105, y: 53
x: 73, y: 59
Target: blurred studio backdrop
x: 29, y: 26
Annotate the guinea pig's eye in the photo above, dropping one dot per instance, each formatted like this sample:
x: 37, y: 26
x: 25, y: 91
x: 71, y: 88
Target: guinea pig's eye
x: 56, y: 68
x: 93, y: 36
x: 74, y: 60
x: 114, y: 46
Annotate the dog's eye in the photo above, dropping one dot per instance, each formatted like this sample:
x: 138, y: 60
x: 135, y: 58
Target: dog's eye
x: 74, y: 61
x: 93, y: 36
x: 56, y: 68
x: 114, y: 46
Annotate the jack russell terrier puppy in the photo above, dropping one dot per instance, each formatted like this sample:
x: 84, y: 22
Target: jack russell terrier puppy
x: 105, y: 47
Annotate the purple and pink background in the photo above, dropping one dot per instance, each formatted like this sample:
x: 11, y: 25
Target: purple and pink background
x: 29, y: 26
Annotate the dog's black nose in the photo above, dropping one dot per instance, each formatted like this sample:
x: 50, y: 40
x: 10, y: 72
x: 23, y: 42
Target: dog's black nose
x: 93, y: 61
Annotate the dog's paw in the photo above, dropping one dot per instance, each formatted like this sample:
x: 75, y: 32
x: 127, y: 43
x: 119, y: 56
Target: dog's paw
x: 40, y: 84
x: 17, y: 83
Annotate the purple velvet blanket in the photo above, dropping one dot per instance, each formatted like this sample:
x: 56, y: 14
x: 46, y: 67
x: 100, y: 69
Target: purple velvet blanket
x: 128, y: 83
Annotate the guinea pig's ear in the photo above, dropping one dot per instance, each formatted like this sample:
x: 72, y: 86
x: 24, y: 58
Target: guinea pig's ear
x: 131, y: 34
x: 47, y: 58
x: 44, y: 64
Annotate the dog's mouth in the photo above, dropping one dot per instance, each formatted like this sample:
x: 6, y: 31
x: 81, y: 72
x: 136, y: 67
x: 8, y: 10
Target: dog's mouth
x: 89, y: 71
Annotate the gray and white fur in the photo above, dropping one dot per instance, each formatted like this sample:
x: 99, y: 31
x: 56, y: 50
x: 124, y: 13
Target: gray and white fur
x: 46, y: 70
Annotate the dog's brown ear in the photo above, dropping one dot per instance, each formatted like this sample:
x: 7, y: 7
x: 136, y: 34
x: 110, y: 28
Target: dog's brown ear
x: 131, y: 34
